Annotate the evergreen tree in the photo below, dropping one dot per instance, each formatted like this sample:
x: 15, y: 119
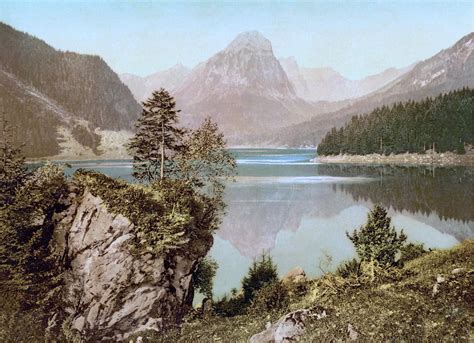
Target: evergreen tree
x: 13, y: 170
x: 158, y: 139
x: 444, y: 123
x: 377, y: 240
x: 261, y: 273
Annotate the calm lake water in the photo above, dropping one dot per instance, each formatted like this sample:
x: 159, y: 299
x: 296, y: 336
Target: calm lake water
x: 299, y: 211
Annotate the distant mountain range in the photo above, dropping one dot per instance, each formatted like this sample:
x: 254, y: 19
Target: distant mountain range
x: 260, y: 100
x: 142, y: 87
x: 66, y: 104
x: 243, y: 88
x: 326, y: 84
x: 450, y: 69
x: 60, y: 102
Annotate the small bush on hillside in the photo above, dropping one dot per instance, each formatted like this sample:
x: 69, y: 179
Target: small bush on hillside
x: 411, y: 251
x: 165, y: 215
x: 261, y: 273
x: 230, y: 306
x: 272, y: 296
x: 378, y: 241
x: 346, y: 269
x: 13, y: 171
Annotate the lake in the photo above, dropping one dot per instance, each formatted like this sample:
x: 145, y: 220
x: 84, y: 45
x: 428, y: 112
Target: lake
x: 299, y: 212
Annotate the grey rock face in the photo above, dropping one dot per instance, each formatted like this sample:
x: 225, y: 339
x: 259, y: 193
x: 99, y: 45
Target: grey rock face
x: 111, y: 292
x: 288, y: 328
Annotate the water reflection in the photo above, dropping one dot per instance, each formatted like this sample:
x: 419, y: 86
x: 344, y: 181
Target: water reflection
x: 299, y: 211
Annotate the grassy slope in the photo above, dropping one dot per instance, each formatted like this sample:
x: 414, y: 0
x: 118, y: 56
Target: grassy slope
x: 398, y: 306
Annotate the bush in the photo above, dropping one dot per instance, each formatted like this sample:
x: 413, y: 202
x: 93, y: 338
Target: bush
x: 411, y: 251
x: 346, y: 269
x: 378, y: 241
x: 261, y: 273
x: 166, y: 215
x: 272, y: 296
x: 13, y: 171
x: 204, y: 275
x: 231, y: 306
x: 27, y: 224
x: 30, y: 278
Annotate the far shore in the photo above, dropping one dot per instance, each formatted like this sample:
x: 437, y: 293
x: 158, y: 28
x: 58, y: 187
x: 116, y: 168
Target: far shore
x: 435, y: 159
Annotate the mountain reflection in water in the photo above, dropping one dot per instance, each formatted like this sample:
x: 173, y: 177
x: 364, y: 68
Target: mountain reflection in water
x: 299, y: 211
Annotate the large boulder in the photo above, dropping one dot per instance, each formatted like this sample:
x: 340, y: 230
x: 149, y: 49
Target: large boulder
x: 288, y: 328
x: 295, y: 275
x: 112, y: 293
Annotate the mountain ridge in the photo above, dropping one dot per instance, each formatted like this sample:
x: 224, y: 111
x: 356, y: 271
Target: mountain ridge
x: 83, y: 86
x: 243, y: 88
x: 457, y: 60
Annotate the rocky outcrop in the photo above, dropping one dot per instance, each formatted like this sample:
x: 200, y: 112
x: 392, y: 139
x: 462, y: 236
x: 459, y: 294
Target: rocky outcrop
x: 112, y: 293
x: 288, y: 328
x: 295, y: 275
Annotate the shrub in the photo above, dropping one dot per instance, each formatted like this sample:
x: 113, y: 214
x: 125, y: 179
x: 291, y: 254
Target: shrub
x: 204, y: 275
x: 13, y: 171
x: 272, y: 296
x: 411, y: 251
x: 231, y: 306
x: 378, y: 241
x: 27, y: 224
x: 30, y: 278
x: 261, y: 273
x: 348, y: 268
x: 166, y: 215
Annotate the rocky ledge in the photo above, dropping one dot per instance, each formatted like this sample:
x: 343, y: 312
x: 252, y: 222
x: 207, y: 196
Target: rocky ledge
x: 111, y: 293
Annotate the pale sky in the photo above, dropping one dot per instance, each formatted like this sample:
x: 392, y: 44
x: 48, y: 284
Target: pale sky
x: 141, y: 37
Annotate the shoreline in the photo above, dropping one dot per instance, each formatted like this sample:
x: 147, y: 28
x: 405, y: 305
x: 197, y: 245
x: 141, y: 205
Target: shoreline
x: 434, y: 159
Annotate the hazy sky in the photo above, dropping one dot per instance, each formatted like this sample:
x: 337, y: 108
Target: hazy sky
x: 141, y: 37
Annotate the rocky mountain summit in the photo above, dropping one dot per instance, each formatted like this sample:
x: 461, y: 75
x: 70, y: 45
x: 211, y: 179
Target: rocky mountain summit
x: 450, y: 69
x: 246, y: 65
x: 243, y: 88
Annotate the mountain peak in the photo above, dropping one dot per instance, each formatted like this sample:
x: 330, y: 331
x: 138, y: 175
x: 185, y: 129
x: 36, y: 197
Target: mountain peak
x: 252, y: 40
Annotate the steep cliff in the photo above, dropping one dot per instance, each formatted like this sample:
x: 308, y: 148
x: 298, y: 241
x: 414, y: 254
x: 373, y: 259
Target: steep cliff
x: 111, y: 291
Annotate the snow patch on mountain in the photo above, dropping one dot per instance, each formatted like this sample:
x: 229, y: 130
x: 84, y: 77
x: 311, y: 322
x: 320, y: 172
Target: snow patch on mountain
x: 430, y: 78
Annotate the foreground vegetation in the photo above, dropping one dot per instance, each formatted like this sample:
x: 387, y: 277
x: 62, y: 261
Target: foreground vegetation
x: 393, y: 291
x: 445, y: 123
x: 176, y: 207
x: 398, y: 305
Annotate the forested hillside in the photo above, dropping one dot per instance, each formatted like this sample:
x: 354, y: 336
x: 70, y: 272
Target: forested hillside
x: 44, y: 91
x: 445, y: 123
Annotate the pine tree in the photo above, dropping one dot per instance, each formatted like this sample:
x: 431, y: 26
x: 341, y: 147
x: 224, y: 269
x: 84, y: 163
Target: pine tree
x: 260, y: 274
x: 158, y: 138
x: 444, y: 123
x: 377, y: 240
x: 13, y: 170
